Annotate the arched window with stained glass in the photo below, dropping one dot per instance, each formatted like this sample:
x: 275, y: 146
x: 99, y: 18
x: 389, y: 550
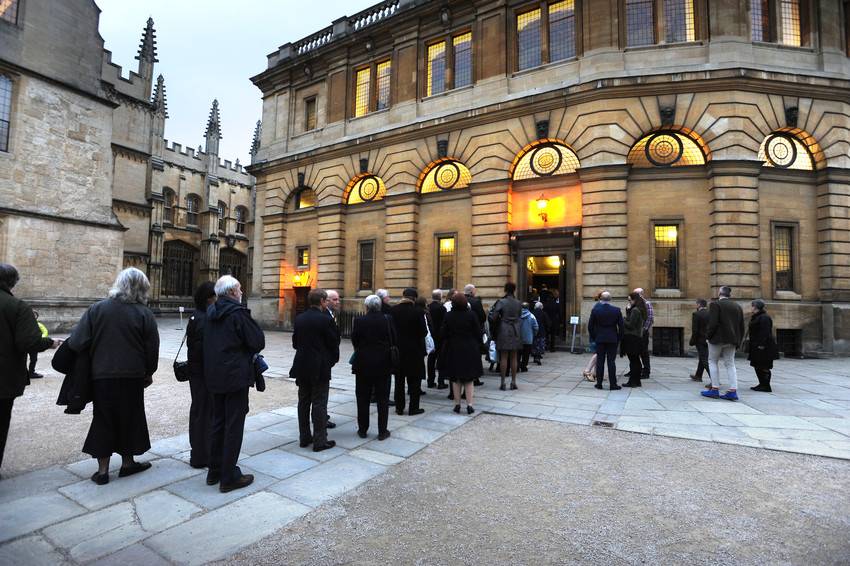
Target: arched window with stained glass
x: 784, y: 150
x: 544, y: 158
x: 444, y: 175
x: 667, y: 148
x: 364, y: 188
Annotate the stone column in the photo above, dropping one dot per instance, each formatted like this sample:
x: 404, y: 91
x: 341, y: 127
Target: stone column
x: 734, y: 231
x: 209, y: 246
x: 491, y: 222
x: 401, y: 246
x: 604, y: 231
x: 834, y: 234
x: 331, y: 252
x: 155, y: 243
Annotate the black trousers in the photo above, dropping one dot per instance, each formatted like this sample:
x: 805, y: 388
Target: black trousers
x: 364, y: 387
x: 702, y: 364
x: 550, y: 336
x: 5, y: 419
x: 432, y: 368
x: 634, y: 368
x: 606, y: 351
x: 200, y: 421
x: 313, y: 401
x: 644, y: 353
x: 524, y: 354
x: 33, y: 361
x: 763, y: 376
x: 413, y: 388
x: 228, y: 425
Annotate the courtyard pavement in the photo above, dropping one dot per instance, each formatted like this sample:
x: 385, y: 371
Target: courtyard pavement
x: 167, y: 515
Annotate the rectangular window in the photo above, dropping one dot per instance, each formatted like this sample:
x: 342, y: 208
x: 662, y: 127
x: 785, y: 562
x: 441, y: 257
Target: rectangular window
x: 362, y: 92
x: 5, y: 109
x: 383, y: 87
x: 679, y: 21
x: 462, y: 46
x: 367, y: 266
x: 666, y: 256
x: 193, y: 204
x: 302, y: 256
x: 759, y: 20
x: 562, y: 30
x: 783, y: 257
x: 789, y: 18
x: 436, y: 68
x: 528, y: 40
x: 446, y: 252
x: 310, y: 114
x: 640, y: 22
x: 9, y: 11
x: 222, y: 217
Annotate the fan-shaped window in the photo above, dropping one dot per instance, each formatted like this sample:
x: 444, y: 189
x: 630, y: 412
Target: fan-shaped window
x: 544, y: 158
x: 193, y: 207
x: 365, y: 188
x: 666, y: 149
x: 241, y: 219
x: 168, y: 199
x: 444, y: 175
x: 784, y: 150
x: 305, y: 198
x: 222, y: 216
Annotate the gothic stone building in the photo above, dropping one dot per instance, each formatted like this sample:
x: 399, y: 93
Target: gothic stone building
x: 675, y: 145
x: 88, y: 183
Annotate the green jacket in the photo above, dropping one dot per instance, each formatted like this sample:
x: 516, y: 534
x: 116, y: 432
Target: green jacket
x: 634, y: 322
x: 19, y: 335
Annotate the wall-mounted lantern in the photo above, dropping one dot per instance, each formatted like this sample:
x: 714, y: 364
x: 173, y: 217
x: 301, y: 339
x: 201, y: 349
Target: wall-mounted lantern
x: 542, y: 208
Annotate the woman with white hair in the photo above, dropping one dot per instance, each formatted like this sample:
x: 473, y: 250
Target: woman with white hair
x: 120, y: 336
x: 372, y: 336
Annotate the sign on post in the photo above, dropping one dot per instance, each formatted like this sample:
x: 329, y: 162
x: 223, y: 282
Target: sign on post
x: 574, y: 320
x: 180, y: 310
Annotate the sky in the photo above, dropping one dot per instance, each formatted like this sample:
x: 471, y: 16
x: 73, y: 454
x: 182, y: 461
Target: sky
x: 209, y: 49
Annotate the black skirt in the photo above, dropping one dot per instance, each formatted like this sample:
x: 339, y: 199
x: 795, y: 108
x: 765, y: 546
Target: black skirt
x: 118, y: 425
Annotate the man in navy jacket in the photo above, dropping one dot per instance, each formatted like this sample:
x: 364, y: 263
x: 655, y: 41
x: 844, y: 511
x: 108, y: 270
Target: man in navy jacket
x: 606, y: 329
x: 231, y: 339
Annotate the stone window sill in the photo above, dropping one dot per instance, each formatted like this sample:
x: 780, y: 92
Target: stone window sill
x: 667, y: 293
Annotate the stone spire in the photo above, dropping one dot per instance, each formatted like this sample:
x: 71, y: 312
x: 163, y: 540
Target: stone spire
x: 255, y: 143
x: 213, y: 132
x: 147, y: 48
x: 158, y: 100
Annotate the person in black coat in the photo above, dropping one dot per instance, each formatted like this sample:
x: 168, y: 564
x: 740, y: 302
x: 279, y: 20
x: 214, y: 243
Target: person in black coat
x: 314, y: 339
x: 231, y: 340
x: 606, y: 329
x: 371, y: 337
x: 763, y: 348
x: 19, y: 335
x: 459, y: 358
x: 699, y: 338
x: 437, y: 312
x: 121, y: 338
x: 477, y: 308
x: 410, y: 329
x: 540, y: 341
x: 200, y: 411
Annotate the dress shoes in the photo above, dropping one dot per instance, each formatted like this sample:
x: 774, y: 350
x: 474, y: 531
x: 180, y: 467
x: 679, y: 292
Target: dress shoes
x: 399, y: 411
x: 415, y: 412
x: 431, y: 385
x: 695, y: 378
x: 35, y: 375
x: 244, y: 481
x: 513, y: 386
x: 362, y: 433
x: 615, y: 387
x: 384, y: 435
x: 304, y: 443
x: 762, y: 388
x: 331, y: 424
x: 325, y: 446
x: 133, y: 468
x: 213, y: 477
x: 630, y: 384
x: 100, y: 479
x: 598, y: 386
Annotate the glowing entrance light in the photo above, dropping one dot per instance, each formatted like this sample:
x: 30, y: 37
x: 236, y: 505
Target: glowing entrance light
x: 542, y: 206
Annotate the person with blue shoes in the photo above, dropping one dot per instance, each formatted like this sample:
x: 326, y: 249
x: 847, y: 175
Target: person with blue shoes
x: 725, y: 334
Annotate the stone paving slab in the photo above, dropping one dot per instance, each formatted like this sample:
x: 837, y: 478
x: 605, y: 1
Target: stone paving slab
x: 279, y: 464
x: 327, y: 480
x: 30, y: 551
x: 25, y: 515
x: 196, y: 490
x: 33, y: 483
x: 227, y: 529
x: 133, y: 555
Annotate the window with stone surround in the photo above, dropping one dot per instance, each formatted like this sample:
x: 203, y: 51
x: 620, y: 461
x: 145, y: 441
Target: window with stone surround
x: 366, y: 258
x: 783, y: 256
x: 640, y: 22
x: 446, y: 255
x: 528, y: 40
x: 679, y: 21
x: 168, y: 198
x: 785, y: 151
x: 179, y: 264
x: 362, y: 84
x: 222, y: 216
x: 364, y: 188
x: 241, y: 219
x: 5, y: 110
x: 444, y: 175
x: 302, y: 257
x: 786, y: 22
x: 543, y: 158
x: 309, y: 113
x: 193, y: 207
x: 9, y: 11
x: 462, y: 59
x: 305, y: 198
x: 372, y: 87
x: 647, y: 22
x: 666, y: 242
x: 546, y: 33
x: 667, y: 149
x: 448, y: 63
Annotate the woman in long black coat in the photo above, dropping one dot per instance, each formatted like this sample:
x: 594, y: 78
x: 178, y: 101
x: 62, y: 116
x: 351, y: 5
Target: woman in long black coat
x: 459, y: 357
x: 372, y: 365
x: 200, y: 411
x: 763, y: 348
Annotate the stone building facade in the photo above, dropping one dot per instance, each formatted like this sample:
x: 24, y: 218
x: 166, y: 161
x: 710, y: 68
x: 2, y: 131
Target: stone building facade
x: 675, y: 145
x: 89, y: 185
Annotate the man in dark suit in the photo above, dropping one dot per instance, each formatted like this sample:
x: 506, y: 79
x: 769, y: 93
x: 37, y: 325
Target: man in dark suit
x: 699, y: 330
x: 316, y: 351
x: 438, y: 313
x: 606, y: 329
x: 332, y: 311
x: 411, y: 331
x: 552, y: 308
x: 478, y: 309
x: 725, y: 333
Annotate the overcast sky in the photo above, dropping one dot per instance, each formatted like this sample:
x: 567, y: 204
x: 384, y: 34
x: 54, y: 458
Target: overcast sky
x: 209, y: 49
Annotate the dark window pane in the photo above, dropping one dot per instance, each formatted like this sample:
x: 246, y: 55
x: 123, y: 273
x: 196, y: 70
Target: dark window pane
x: 302, y: 256
x: 679, y: 21
x: 759, y: 20
x: 9, y: 10
x: 241, y: 218
x: 178, y: 269
x: 463, y: 59
x: 667, y: 256
x: 528, y: 40
x: 640, y: 22
x: 222, y: 216
x: 231, y: 262
x: 193, y: 205
x: 168, y: 206
x: 562, y: 30
x: 310, y: 114
x: 367, y: 265
x: 436, y: 68
x: 446, y: 262
x: 5, y: 109
x: 783, y: 257
x: 383, y: 71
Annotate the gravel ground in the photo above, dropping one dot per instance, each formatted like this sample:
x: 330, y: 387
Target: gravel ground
x: 504, y: 490
x: 42, y: 435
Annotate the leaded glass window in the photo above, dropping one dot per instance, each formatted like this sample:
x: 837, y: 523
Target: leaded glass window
x: 302, y: 257
x: 760, y: 20
x: 5, y: 110
x: 666, y: 256
x: 679, y: 21
x: 436, y: 68
x: 445, y: 175
x: 365, y: 188
x: 222, y: 216
x: 789, y: 18
x: 562, y: 30
x: 640, y: 22
x: 193, y: 206
x: 545, y: 158
x: 367, y: 266
x: 9, y: 11
x: 462, y: 46
x: 785, y: 151
x: 179, y: 262
x: 383, y: 84
x: 528, y: 39
x: 783, y: 257
x: 231, y: 262
x: 362, y: 91
x: 446, y: 253
x: 666, y: 149
x: 168, y: 206
x: 241, y: 219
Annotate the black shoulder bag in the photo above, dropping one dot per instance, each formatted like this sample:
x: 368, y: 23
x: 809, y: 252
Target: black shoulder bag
x: 181, y: 369
x: 395, y: 357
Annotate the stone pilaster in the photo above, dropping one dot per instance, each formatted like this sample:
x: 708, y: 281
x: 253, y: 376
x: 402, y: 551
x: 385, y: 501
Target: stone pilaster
x: 331, y: 248
x: 209, y: 246
x: 834, y: 234
x: 491, y: 221
x: 402, y: 239
x: 155, y: 243
x: 604, y: 237
x: 734, y: 228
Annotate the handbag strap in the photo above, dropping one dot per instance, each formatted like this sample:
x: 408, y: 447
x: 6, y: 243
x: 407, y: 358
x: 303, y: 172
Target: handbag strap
x: 182, y: 342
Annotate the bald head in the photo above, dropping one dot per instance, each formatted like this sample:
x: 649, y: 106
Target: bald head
x: 333, y: 300
x: 639, y: 291
x: 469, y: 289
x: 605, y: 296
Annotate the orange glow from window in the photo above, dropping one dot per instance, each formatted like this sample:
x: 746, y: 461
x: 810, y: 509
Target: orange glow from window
x: 563, y: 209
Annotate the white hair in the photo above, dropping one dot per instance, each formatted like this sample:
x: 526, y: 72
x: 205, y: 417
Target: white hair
x: 605, y: 296
x: 329, y: 291
x: 437, y: 294
x: 382, y: 293
x: 639, y: 291
x: 373, y: 303
x: 131, y: 286
x: 225, y: 284
x: 538, y: 305
x: 469, y: 289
